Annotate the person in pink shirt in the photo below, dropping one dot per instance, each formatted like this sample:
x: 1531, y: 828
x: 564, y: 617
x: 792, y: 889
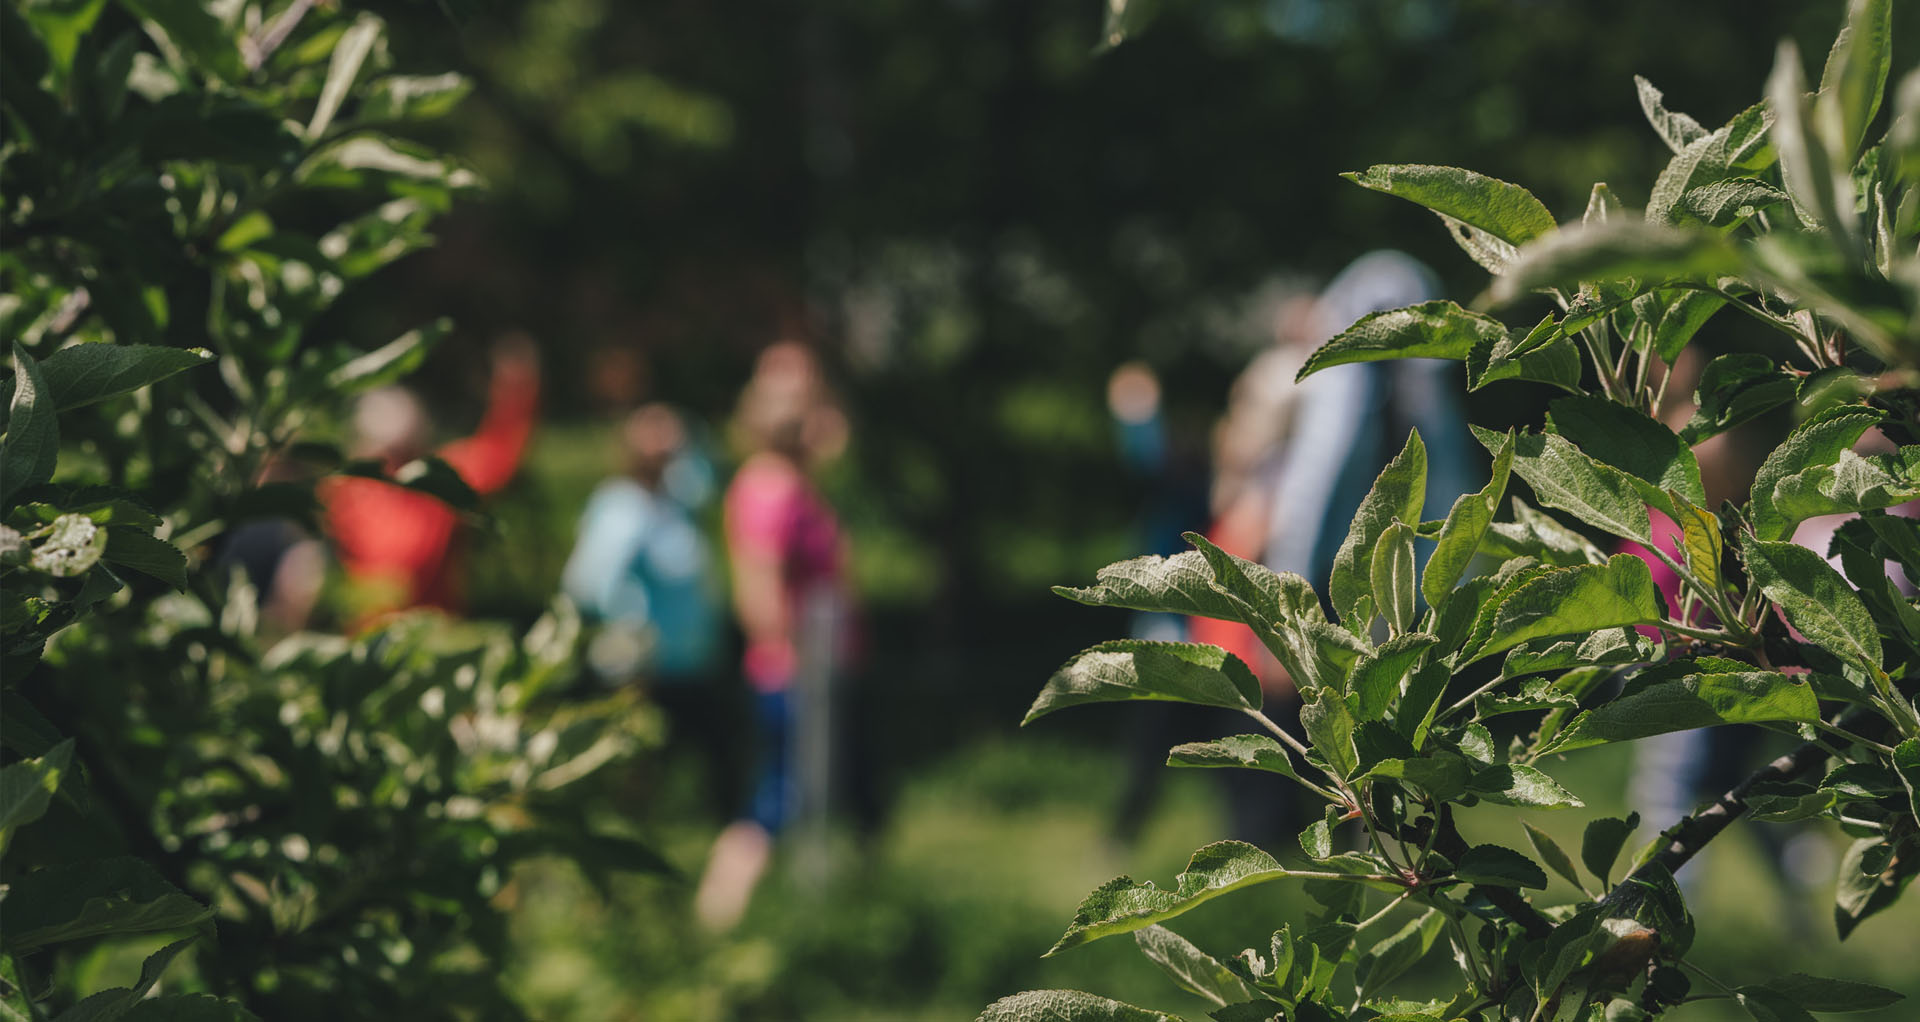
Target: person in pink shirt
x: 788, y: 559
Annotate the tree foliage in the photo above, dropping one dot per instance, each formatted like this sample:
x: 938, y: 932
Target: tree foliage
x: 1785, y: 215
x: 320, y: 824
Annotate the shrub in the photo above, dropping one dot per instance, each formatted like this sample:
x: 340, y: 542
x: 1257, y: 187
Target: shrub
x: 1779, y: 216
x: 321, y: 824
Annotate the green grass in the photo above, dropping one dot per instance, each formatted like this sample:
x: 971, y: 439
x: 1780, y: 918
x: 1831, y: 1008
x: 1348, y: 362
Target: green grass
x: 979, y: 869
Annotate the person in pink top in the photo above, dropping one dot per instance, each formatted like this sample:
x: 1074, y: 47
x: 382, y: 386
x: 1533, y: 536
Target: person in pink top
x: 788, y: 558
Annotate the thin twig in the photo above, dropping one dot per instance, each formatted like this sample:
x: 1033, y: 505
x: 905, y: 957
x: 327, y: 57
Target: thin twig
x: 1301, y: 751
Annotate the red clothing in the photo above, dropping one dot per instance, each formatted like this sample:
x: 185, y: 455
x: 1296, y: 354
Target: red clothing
x: 397, y: 545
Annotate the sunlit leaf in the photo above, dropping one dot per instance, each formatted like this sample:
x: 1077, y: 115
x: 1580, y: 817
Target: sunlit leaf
x: 1128, y: 669
x: 1437, y: 329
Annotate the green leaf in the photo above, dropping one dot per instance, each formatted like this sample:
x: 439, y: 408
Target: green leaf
x: 249, y: 230
x: 1127, y: 669
x: 1855, y: 77
x: 390, y: 362
x: 1580, y: 599
x: 27, y: 787
x: 1700, y: 540
x: 1443, y: 776
x: 1465, y: 527
x: 1397, y: 493
x: 192, y: 28
x: 1684, y: 314
x: 1506, y: 211
x: 1832, y: 995
x: 402, y: 167
x: 1554, y: 361
x: 1415, y: 717
x: 1602, y: 205
x: 1676, y: 129
x: 412, y: 97
x: 1735, y: 389
x: 1632, y: 442
x: 1496, y: 866
x: 1253, y: 752
x: 1816, y: 600
x: 1606, y: 646
x: 109, y: 1005
x: 1512, y: 784
x: 1392, y: 575
x: 1330, y: 727
x: 1535, y: 534
x: 1438, y: 329
x: 1193, y: 969
x: 1784, y: 803
x: 1377, y: 676
x: 1285, y: 614
x: 1600, y: 845
x: 1870, y: 880
x: 131, y: 547
x: 1728, y: 202
x: 1735, y: 148
x: 1766, y: 1005
x: 1181, y: 584
x: 1122, y: 906
x: 72, y: 546
x: 1653, y: 254
x: 1689, y: 702
x: 1819, y: 441
x: 1906, y: 762
x: 1820, y: 186
x: 1902, y: 537
x: 1563, y: 477
x: 342, y: 68
x: 33, y: 437
x: 1553, y: 855
x: 1535, y: 694
x: 1392, y: 957
x: 81, y: 374
x: 1851, y: 484
x: 1316, y: 841
x: 78, y: 900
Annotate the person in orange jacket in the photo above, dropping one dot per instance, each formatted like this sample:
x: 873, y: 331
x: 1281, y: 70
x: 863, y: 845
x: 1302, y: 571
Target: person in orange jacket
x: 400, y: 548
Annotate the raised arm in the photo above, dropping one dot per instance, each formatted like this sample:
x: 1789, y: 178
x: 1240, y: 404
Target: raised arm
x: 488, y: 458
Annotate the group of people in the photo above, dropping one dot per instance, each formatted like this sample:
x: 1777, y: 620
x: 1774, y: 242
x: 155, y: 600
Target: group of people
x: 642, y: 572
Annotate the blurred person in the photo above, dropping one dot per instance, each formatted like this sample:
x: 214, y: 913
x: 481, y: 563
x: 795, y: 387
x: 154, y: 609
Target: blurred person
x: 1315, y: 447
x: 1353, y: 419
x: 788, y: 557
x: 642, y: 574
x: 398, y: 547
